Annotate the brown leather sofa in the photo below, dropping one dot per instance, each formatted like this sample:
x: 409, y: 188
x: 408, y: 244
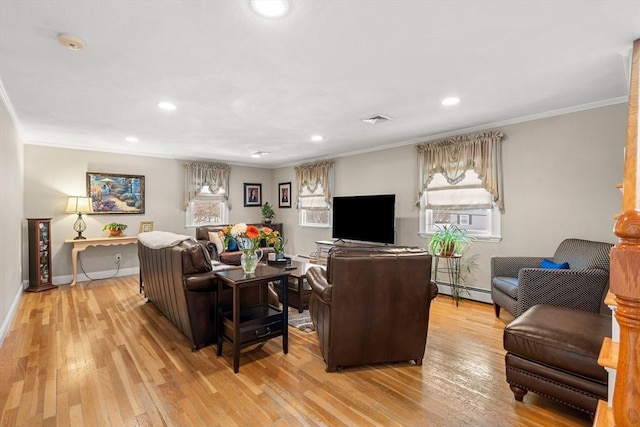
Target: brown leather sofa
x: 371, y: 305
x: 180, y: 281
x: 553, y: 351
x: 232, y: 257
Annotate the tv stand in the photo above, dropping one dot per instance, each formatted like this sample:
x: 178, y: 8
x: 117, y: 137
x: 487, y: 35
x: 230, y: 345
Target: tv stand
x: 324, y: 246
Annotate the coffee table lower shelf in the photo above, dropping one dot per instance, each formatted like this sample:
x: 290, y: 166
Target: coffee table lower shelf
x: 257, y: 324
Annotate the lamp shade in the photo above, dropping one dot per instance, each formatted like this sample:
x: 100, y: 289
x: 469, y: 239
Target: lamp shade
x: 79, y: 205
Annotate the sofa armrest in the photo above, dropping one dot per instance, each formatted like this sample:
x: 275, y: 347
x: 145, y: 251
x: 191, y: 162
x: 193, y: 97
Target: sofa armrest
x: 580, y: 289
x: 200, y: 282
x: 317, y: 278
x: 510, y: 266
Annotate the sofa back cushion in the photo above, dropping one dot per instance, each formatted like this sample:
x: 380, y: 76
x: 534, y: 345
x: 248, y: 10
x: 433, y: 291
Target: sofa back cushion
x: 583, y: 254
x: 195, y: 258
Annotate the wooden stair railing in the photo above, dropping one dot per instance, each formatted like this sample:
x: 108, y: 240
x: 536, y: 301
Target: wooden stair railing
x: 625, y: 268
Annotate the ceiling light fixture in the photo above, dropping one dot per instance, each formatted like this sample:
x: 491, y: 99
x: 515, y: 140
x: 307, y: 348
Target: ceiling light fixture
x: 317, y: 138
x: 450, y: 101
x: 71, y: 42
x: 131, y: 139
x: 376, y: 119
x: 270, y: 8
x: 167, y: 106
x: 258, y: 154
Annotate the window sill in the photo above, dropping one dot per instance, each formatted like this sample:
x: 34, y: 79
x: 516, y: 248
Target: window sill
x: 490, y: 239
x: 322, y: 226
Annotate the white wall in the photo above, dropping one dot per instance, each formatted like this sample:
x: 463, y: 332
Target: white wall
x: 52, y: 174
x: 12, y: 221
x: 559, y: 181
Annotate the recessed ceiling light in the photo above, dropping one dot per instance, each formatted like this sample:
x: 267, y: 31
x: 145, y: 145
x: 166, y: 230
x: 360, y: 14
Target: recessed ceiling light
x: 270, y: 8
x: 317, y: 138
x: 131, y: 139
x: 450, y: 101
x: 167, y: 106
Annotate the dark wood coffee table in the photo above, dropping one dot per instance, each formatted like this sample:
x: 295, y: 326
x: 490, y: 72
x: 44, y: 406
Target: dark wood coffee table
x: 248, y: 325
x: 299, y: 290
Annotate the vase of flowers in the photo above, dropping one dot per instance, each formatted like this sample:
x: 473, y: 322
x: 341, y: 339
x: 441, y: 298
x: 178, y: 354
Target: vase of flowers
x: 248, y: 238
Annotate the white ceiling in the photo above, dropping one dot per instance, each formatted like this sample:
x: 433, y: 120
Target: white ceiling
x: 244, y: 83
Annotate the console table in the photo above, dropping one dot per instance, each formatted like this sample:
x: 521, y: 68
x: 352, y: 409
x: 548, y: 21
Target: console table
x: 244, y: 326
x: 82, y: 244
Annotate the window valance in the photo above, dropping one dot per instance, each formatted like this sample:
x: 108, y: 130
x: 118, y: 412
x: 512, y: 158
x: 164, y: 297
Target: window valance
x: 452, y: 157
x: 213, y: 178
x: 314, y: 182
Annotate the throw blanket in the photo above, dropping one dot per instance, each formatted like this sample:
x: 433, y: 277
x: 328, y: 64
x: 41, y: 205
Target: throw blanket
x: 161, y: 239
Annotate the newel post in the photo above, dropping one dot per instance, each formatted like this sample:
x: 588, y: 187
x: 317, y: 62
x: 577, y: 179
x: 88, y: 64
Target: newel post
x: 625, y: 268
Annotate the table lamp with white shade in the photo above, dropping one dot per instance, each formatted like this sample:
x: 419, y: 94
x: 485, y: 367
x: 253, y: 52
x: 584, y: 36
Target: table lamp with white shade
x: 79, y: 205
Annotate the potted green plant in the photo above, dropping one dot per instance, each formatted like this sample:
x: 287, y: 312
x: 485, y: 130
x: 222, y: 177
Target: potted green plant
x: 449, y: 240
x: 267, y: 213
x: 114, y: 229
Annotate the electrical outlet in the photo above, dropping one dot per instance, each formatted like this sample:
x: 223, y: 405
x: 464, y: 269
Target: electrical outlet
x: 118, y: 257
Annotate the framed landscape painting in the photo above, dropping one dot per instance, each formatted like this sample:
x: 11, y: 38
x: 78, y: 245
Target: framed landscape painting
x: 115, y: 193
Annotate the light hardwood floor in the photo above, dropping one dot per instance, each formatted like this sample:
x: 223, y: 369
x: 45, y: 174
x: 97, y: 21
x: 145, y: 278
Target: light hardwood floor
x: 96, y: 354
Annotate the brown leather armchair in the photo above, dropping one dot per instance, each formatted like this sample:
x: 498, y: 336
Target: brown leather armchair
x: 371, y: 305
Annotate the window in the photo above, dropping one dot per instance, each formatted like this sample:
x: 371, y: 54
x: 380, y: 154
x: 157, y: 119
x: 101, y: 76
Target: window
x: 314, y: 210
x: 315, y: 181
x: 206, y: 195
x: 208, y: 209
x: 452, y: 188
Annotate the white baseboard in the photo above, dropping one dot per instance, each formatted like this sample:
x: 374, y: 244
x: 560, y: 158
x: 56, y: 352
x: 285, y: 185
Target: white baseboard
x: 6, y: 323
x: 96, y: 275
x: 475, y: 294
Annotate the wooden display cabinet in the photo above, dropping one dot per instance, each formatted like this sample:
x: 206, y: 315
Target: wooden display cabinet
x: 40, y: 273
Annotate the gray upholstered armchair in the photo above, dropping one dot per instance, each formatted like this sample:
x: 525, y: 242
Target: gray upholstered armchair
x: 518, y: 283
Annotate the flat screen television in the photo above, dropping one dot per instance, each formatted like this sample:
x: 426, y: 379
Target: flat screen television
x: 365, y: 218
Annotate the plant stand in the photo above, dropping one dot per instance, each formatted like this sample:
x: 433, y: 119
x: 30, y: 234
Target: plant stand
x: 452, y: 268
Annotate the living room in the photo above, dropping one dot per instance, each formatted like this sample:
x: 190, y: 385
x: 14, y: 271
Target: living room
x: 560, y: 174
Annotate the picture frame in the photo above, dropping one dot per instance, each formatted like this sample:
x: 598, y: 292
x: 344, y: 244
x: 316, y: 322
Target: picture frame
x: 284, y: 195
x: 252, y: 194
x: 146, y: 226
x: 115, y: 193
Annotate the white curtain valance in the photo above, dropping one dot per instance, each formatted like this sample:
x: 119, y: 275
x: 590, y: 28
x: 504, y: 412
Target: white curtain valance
x: 213, y: 175
x: 452, y: 157
x: 313, y: 176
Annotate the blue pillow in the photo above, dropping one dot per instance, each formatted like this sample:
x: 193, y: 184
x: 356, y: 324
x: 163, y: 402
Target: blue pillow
x: 233, y: 246
x: 555, y: 266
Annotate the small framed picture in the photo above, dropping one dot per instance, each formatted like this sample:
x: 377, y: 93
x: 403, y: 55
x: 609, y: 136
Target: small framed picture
x: 464, y: 219
x: 252, y: 194
x: 146, y: 226
x: 284, y: 195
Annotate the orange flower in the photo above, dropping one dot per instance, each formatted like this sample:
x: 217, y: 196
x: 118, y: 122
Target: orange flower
x: 252, y: 232
x: 267, y: 230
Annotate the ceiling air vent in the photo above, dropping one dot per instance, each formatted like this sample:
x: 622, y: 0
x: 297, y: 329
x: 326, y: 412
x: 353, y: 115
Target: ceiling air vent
x: 376, y: 119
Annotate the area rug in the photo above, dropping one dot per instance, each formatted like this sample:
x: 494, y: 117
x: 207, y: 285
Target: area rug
x: 301, y: 321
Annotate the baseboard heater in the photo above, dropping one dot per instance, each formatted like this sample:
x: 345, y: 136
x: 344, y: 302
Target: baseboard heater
x: 475, y: 294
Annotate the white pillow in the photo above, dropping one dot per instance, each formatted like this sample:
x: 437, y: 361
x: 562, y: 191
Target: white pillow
x: 215, y: 239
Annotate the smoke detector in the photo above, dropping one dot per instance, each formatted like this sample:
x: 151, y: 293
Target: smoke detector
x: 71, y: 42
x: 376, y: 119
